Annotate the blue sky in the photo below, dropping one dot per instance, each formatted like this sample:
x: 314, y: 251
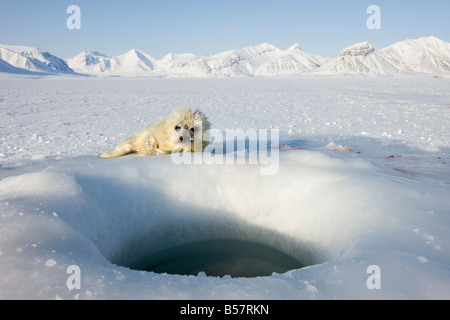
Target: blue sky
x: 211, y: 26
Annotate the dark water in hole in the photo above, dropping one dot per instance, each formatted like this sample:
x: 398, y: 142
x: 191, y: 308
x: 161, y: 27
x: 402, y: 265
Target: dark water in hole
x: 218, y: 258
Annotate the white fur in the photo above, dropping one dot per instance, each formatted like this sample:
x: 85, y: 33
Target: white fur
x: 164, y: 136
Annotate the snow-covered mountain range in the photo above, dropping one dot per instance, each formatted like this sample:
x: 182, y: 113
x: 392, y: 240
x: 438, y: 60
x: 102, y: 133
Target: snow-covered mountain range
x: 20, y: 59
x: 260, y: 60
x: 423, y: 55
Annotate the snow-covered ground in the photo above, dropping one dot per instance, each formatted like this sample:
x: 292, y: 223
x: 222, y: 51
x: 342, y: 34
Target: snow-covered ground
x: 385, y: 203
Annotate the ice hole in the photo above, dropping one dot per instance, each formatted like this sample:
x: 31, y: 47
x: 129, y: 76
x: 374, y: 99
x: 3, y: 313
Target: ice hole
x: 220, y: 257
x: 217, y: 247
x: 145, y: 223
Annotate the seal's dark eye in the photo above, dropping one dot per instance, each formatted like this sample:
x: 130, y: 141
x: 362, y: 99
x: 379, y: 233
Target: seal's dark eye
x: 192, y: 130
x: 178, y: 128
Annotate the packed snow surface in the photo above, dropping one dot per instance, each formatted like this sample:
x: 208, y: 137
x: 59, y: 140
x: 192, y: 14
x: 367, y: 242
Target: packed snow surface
x: 363, y: 180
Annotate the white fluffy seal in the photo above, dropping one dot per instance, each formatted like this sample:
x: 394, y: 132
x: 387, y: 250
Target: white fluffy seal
x: 184, y: 130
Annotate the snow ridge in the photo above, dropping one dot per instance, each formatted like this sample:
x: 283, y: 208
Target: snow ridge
x: 423, y: 55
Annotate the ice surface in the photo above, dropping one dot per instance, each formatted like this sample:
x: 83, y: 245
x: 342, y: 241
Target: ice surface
x: 365, y: 182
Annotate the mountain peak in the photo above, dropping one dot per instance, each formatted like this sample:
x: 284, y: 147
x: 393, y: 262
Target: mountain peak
x: 295, y: 46
x: 358, y: 49
x: 432, y: 38
x: 94, y: 53
x: 133, y: 52
x: 265, y: 47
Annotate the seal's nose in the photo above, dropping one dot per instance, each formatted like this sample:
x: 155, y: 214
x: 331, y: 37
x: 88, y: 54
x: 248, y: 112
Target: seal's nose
x: 180, y: 139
